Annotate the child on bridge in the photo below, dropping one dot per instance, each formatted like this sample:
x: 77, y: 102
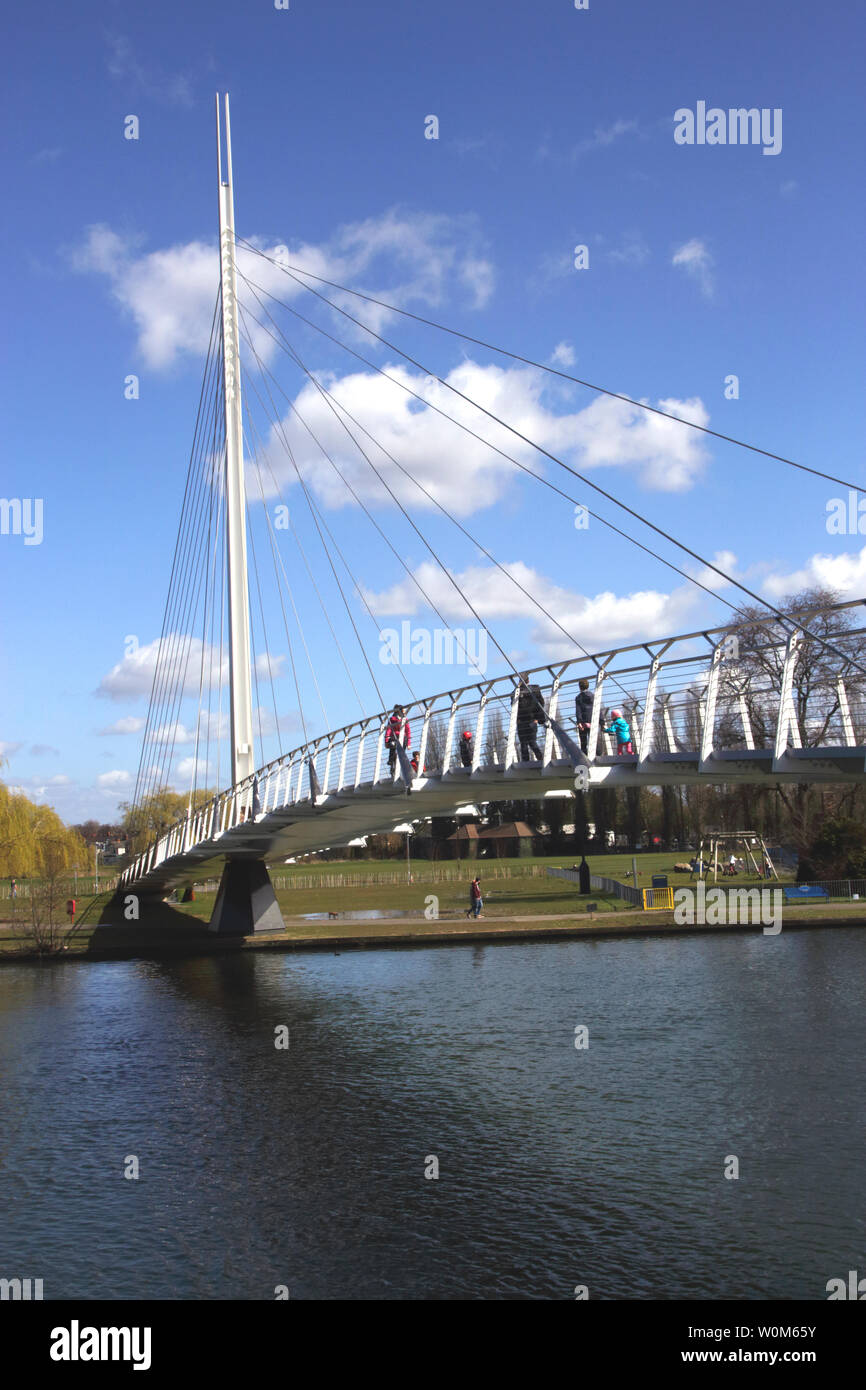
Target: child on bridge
x: 620, y: 728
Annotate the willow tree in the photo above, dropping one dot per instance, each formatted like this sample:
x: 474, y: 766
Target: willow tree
x: 34, y: 842
x: 157, y: 813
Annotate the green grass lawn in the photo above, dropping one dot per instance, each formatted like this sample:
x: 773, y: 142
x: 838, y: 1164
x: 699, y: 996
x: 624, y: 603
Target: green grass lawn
x: 512, y: 888
x: 502, y: 897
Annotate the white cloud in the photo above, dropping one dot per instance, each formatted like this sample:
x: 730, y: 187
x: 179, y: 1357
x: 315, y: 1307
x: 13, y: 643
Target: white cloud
x: 551, y: 268
x: 632, y: 250
x: 463, y: 473
x: 563, y: 355
x: 604, y: 136
x: 189, y: 767
x: 696, y: 261
x: 844, y: 573
x: 478, y: 276
x: 133, y: 676
x: 403, y: 257
x: 595, y: 622
x: 725, y: 560
x: 211, y: 725
x: 269, y: 665
x: 114, y: 781
x: 39, y: 786
x: 130, y: 724
x: 171, y: 89
x: 665, y: 456
x: 171, y: 733
x: 8, y: 750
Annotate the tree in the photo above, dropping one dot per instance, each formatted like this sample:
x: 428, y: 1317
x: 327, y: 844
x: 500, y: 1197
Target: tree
x: 633, y: 816
x: 34, y: 840
x: 92, y: 832
x: 495, y: 738
x: 434, y: 754
x: 838, y: 851
x: 157, y: 813
x: 604, y: 814
x: 557, y: 809
x: 669, y: 815
x: 753, y: 678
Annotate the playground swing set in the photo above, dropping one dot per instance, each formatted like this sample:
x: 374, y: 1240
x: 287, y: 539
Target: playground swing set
x: 727, y: 841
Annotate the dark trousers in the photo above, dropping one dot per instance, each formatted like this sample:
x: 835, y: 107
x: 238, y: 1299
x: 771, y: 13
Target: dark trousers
x: 583, y: 734
x: 526, y: 736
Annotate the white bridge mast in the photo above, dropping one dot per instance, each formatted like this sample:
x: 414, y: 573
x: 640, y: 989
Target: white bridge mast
x: 240, y: 675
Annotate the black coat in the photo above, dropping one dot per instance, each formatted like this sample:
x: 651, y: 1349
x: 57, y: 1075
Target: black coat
x: 583, y: 706
x: 530, y: 706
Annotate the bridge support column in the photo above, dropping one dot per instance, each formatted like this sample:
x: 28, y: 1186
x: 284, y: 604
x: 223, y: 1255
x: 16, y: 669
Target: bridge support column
x: 246, y: 902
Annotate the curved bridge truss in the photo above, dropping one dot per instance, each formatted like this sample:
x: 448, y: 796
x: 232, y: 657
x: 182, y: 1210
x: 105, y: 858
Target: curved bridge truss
x: 723, y: 705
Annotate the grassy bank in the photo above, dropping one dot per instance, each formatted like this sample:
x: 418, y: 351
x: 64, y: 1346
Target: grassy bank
x: 336, y: 936
x: 519, y: 897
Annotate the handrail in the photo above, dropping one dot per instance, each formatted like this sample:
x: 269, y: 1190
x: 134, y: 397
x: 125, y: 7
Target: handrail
x: 233, y: 805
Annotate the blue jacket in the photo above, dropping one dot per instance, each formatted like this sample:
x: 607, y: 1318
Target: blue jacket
x: 621, y: 729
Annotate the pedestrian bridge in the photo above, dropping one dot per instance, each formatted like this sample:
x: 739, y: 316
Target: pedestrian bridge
x: 724, y: 705
x: 773, y: 699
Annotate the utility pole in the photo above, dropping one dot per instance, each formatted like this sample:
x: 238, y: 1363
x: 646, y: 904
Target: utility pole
x: 240, y: 675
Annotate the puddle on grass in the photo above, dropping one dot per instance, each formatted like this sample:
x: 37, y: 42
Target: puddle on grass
x: 367, y: 915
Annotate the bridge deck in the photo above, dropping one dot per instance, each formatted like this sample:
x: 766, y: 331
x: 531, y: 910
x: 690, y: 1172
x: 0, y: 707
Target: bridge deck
x: 337, y: 818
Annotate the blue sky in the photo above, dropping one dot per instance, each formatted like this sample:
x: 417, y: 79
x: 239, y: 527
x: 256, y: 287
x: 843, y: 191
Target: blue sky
x: 555, y: 130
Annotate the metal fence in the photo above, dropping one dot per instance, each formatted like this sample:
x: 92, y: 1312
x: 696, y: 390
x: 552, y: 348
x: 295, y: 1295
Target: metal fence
x: 654, y: 899
x: 688, y: 698
x: 844, y: 888
x: 620, y: 890
x: 454, y: 871
x: 600, y: 884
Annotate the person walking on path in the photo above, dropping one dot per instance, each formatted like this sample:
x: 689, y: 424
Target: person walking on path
x: 397, y: 731
x: 583, y: 703
x: 530, y: 713
x: 475, y: 900
x: 619, y: 727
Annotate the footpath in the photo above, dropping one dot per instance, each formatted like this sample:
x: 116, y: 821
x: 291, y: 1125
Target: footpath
x: 192, y: 938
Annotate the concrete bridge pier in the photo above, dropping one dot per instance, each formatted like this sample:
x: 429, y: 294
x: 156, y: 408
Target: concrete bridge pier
x: 246, y: 901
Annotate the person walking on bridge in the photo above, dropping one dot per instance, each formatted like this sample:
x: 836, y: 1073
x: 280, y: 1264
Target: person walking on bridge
x: 530, y: 713
x: 397, y: 731
x: 583, y: 703
x: 466, y: 749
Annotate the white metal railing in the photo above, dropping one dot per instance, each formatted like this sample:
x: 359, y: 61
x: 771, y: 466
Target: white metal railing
x: 677, y: 700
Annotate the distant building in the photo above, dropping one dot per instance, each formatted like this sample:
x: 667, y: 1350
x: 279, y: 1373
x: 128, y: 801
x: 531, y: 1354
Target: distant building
x: 508, y: 841
x: 114, y: 853
x: 463, y: 842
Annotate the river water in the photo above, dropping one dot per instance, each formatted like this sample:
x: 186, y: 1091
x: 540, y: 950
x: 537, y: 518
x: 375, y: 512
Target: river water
x: 558, y: 1166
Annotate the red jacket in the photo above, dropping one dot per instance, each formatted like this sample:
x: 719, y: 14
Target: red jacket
x: 393, y: 729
